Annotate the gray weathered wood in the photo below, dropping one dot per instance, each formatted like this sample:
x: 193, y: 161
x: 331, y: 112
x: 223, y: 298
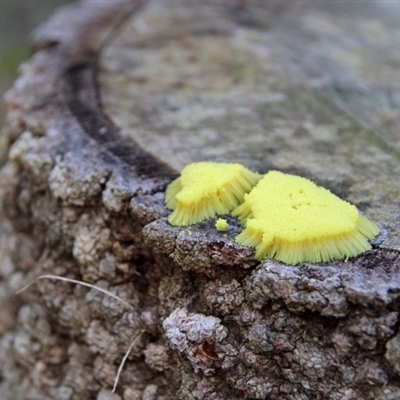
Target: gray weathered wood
x: 309, y: 88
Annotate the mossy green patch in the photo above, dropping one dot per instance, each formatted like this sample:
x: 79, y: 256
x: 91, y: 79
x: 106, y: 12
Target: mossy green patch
x: 11, y: 57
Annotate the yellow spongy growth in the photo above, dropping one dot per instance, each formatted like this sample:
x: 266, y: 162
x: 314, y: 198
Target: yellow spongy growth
x: 207, y: 189
x: 222, y: 225
x: 291, y: 219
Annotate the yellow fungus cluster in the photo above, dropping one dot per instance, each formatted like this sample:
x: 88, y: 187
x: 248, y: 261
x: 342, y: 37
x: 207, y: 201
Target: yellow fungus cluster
x: 291, y: 219
x: 286, y: 217
x: 207, y: 189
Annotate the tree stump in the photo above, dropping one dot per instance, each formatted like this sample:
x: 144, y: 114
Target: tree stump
x: 118, y: 97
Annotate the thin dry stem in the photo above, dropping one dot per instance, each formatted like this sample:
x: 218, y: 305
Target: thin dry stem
x: 60, y: 278
x: 121, y: 366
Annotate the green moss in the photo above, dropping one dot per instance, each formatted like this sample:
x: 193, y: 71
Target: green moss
x: 11, y: 57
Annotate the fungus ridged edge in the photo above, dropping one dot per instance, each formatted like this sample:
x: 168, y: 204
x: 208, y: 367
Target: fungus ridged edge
x: 337, y: 247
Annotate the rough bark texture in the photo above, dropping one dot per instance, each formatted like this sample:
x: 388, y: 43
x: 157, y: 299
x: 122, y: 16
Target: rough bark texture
x: 306, y: 89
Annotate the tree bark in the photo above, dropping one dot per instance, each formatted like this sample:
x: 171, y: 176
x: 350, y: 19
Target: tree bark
x: 117, y: 97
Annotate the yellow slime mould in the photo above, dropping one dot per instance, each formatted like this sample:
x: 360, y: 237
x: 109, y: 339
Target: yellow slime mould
x: 207, y: 189
x: 222, y: 225
x: 291, y: 219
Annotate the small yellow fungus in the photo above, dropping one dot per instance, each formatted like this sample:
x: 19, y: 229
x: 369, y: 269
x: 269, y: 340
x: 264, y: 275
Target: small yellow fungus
x: 291, y: 219
x: 207, y: 189
x: 222, y: 225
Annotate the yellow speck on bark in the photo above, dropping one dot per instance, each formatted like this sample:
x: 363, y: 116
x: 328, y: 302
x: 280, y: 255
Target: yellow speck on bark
x: 222, y: 225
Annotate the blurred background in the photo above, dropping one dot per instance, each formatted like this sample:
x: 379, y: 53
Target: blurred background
x: 17, y: 20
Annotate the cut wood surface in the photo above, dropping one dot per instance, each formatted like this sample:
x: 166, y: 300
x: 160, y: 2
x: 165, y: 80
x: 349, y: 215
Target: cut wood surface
x: 117, y: 98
